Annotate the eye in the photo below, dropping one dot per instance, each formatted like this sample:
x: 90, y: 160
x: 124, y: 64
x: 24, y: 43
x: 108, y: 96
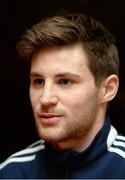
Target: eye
x: 37, y: 82
x: 65, y: 82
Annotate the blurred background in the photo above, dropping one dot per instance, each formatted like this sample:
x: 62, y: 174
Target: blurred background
x: 17, y: 128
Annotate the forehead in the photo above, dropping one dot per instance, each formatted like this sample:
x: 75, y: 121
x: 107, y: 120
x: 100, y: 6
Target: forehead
x: 68, y: 58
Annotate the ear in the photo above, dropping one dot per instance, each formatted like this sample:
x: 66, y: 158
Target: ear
x: 109, y: 88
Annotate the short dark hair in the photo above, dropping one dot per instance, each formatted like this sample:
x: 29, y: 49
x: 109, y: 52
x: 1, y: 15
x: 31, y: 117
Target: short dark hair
x: 65, y: 29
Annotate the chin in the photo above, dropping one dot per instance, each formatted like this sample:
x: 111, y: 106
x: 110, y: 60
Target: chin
x: 50, y: 135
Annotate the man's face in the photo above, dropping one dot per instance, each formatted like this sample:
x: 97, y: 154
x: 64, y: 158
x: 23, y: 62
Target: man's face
x: 63, y: 94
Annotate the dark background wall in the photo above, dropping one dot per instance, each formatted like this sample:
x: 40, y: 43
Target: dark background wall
x: 17, y: 128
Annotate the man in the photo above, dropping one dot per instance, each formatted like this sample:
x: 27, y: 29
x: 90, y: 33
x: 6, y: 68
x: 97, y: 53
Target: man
x: 74, y: 68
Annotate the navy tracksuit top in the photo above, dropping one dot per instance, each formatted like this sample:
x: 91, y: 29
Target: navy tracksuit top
x: 104, y: 158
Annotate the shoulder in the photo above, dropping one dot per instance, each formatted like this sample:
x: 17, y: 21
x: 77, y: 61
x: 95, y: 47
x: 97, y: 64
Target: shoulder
x: 116, y: 143
x: 26, y: 155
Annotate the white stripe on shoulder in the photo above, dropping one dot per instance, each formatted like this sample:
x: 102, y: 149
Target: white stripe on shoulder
x: 119, y: 143
x: 117, y: 151
x: 28, y: 151
x: 111, y: 137
x: 25, y: 155
x: 36, y: 143
x: 120, y: 137
x: 19, y: 159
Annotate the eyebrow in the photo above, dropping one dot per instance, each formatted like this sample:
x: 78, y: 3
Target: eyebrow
x: 69, y: 74
x: 34, y: 74
x: 58, y: 75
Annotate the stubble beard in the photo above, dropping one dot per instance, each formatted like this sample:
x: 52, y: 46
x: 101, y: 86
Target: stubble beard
x: 70, y: 133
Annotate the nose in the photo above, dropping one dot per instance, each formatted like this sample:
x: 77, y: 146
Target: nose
x: 48, y: 96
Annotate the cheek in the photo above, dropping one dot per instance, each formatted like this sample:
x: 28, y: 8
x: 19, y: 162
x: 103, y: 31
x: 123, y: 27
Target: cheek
x: 34, y: 98
x: 75, y: 103
x: 81, y: 102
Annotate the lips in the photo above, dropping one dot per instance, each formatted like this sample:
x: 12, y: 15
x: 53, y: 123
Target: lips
x: 49, y: 118
x: 49, y: 115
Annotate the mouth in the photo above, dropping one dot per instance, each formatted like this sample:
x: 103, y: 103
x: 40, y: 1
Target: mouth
x: 49, y: 118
